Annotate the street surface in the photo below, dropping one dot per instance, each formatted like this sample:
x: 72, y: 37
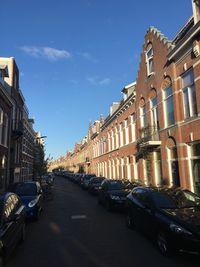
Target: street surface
x: 74, y: 231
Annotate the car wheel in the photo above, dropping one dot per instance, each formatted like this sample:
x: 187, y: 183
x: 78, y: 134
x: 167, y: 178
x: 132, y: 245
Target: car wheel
x: 129, y: 221
x: 163, y: 243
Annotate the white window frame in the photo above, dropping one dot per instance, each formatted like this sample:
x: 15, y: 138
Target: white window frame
x: 189, y: 89
x: 165, y: 105
x: 154, y: 113
x: 148, y: 59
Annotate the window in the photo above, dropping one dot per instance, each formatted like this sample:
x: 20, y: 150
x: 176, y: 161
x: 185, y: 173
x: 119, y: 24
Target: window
x: 154, y: 112
x: 143, y: 117
x: 116, y: 137
x: 1, y: 123
x: 195, y: 163
x: 4, y: 139
x: 121, y: 135
x: 133, y: 123
x: 149, y: 60
x: 189, y: 95
x: 126, y: 131
x: 169, y: 106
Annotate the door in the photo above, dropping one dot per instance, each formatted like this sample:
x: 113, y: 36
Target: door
x: 9, y: 226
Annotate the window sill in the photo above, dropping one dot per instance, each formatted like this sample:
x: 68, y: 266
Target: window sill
x: 150, y: 76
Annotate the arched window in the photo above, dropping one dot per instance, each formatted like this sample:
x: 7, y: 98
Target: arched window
x: 149, y: 60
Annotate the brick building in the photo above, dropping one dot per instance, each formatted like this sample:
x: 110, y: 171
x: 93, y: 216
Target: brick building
x: 5, y: 127
x: 17, y: 136
x: 153, y: 134
x: 28, y: 146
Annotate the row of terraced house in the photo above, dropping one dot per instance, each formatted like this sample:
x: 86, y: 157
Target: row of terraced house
x: 153, y: 134
x: 18, y: 140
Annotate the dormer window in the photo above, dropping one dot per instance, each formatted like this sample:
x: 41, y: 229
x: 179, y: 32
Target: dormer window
x: 149, y: 60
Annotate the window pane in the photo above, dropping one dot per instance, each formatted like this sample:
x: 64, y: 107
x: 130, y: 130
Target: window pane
x: 186, y: 103
x: 154, y: 101
x: 134, y: 117
x: 188, y: 78
x: 170, y: 111
x: 149, y: 53
x: 193, y: 101
x: 195, y: 150
x: 168, y: 92
x: 151, y: 69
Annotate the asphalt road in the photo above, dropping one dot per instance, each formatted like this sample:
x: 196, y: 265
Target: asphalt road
x: 74, y: 231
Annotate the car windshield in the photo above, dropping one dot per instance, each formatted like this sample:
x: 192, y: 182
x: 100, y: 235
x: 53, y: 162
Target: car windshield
x: 87, y: 177
x: 26, y: 189
x: 175, y: 199
x: 163, y: 200
x: 114, y: 185
x: 127, y: 185
x: 97, y: 180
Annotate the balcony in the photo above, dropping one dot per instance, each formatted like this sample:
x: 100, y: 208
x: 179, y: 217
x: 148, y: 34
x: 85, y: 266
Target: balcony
x: 18, y: 129
x: 148, y: 137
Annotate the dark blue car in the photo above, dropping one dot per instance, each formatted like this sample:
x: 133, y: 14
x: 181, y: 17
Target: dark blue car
x: 30, y: 193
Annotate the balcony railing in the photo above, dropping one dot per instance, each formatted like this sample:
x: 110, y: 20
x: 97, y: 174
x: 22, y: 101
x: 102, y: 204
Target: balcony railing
x: 149, y: 136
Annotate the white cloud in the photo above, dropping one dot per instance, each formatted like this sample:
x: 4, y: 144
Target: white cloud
x: 105, y: 81
x: 46, y: 52
x: 87, y: 56
x: 96, y: 81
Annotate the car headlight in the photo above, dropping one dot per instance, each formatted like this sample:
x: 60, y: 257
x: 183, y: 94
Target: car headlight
x: 32, y: 203
x: 115, y: 197
x: 178, y: 229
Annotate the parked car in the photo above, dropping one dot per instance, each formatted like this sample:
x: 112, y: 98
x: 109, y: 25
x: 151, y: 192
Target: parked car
x: 171, y: 216
x: 12, y: 225
x: 94, y: 185
x: 85, y: 180
x: 112, y: 194
x: 31, y: 196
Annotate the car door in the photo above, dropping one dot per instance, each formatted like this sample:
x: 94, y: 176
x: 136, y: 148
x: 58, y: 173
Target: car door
x: 146, y: 212
x: 9, y: 226
x: 40, y: 195
x: 18, y: 214
x: 135, y: 206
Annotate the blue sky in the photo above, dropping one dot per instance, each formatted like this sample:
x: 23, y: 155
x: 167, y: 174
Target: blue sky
x: 75, y: 56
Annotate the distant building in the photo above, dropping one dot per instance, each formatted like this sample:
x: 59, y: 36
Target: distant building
x: 28, y: 146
